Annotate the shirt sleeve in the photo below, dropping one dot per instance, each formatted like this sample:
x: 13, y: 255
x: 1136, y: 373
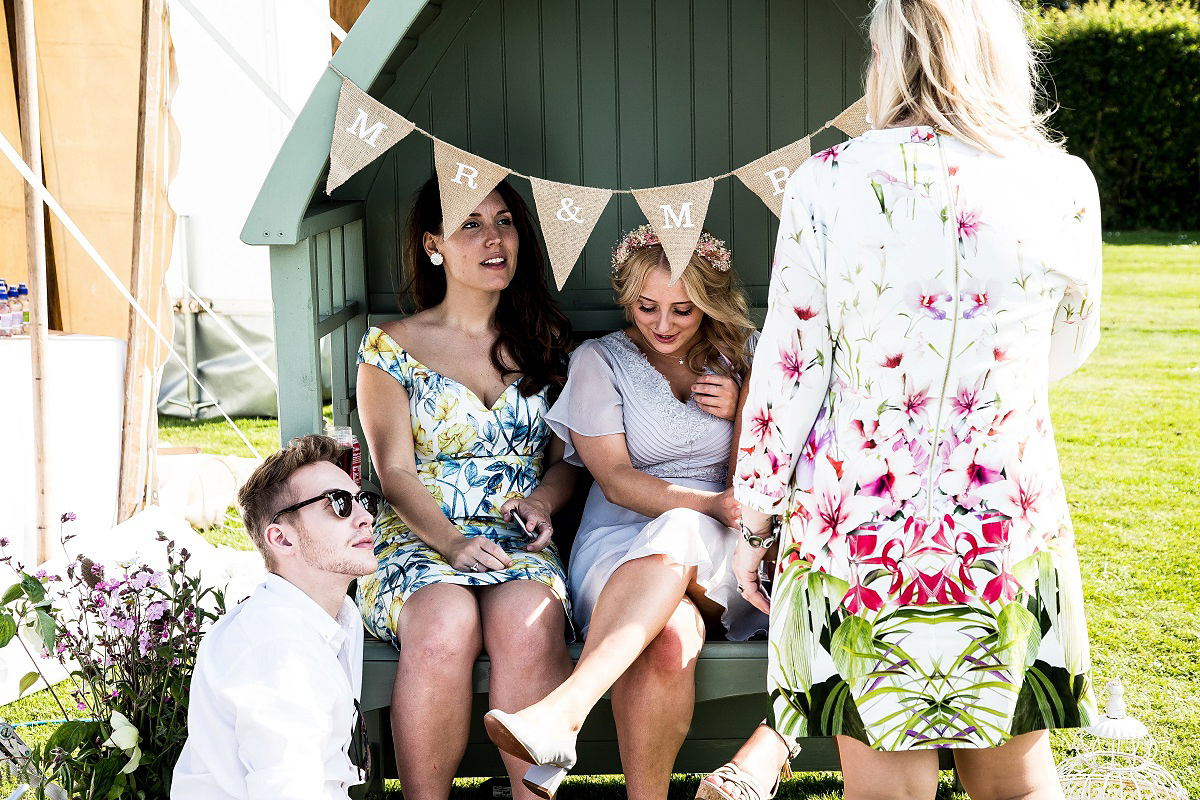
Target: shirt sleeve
x: 284, y: 720
x: 792, y: 361
x: 1076, y: 328
x: 590, y: 403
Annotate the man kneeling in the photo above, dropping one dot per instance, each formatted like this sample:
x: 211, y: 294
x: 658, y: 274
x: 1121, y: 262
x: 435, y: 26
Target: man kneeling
x: 274, y: 697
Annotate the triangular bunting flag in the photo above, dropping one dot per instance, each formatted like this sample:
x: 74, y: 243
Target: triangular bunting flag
x: 767, y: 176
x: 464, y: 179
x: 677, y: 215
x: 853, y: 121
x: 363, y: 130
x: 567, y: 214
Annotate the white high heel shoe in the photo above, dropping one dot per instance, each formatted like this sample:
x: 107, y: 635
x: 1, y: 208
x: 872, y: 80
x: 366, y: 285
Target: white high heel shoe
x: 552, y: 758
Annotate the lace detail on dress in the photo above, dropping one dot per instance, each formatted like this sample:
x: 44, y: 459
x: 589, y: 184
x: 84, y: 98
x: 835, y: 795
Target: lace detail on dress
x: 713, y: 473
x: 686, y: 422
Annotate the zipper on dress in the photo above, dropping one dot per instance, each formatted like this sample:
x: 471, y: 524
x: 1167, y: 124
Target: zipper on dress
x: 937, y: 427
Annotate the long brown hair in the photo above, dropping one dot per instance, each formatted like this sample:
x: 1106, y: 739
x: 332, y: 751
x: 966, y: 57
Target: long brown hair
x: 534, y: 336
x: 726, y: 327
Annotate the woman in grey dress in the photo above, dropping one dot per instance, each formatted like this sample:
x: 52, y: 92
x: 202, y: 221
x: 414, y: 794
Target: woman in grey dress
x: 648, y: 410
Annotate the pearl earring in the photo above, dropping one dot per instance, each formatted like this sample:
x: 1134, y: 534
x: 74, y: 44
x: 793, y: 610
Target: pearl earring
x: 437, y: 258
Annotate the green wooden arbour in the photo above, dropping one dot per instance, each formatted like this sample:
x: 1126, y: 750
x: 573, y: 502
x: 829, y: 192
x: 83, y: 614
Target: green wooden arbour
x: 611, y: 93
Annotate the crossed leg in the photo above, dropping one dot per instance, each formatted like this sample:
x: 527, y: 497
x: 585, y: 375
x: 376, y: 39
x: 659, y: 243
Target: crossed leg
x: 653, y: 701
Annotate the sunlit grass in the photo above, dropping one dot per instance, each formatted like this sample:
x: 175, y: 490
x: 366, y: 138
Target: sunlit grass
x: 1128, y: 431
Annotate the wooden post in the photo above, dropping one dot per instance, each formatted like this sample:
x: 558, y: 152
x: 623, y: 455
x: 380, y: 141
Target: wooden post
x: 135, y: 435
x: 35, y: 242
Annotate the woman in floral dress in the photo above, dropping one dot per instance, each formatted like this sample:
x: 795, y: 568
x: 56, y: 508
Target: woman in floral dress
x: 453, y: 400
x: 931, y: 278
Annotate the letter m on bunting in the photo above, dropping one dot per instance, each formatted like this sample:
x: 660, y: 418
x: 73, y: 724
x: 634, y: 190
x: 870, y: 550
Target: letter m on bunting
x: 363, y: 130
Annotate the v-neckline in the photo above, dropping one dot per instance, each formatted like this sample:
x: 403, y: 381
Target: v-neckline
x: 666, y: 383
x: 500, y: 402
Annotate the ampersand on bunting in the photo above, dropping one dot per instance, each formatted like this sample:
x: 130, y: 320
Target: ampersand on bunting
x: 570, y: 212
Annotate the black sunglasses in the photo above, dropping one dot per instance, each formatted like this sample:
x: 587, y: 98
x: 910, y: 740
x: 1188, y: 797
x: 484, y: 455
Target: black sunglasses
x: 339, y: 501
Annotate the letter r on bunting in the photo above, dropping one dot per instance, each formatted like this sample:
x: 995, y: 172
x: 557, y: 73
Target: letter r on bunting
x: 464, y: 171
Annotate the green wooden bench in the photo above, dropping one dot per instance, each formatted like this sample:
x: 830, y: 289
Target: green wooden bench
x: 614, y: 93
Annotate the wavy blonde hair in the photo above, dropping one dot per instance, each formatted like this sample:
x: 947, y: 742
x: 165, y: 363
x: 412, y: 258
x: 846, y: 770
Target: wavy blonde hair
x: 726, y: 326
x: 967, y: 67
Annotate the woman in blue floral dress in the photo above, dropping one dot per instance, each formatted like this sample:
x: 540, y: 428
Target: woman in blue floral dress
x: 452, y: 401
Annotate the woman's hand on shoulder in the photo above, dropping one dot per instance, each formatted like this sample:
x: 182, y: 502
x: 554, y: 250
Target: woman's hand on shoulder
x: 716, y: 394
x: 536, y: 517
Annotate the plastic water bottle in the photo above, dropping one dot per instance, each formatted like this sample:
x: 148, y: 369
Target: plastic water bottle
x: 15, y: 311
x: 349, y: 451
x: 5, y: 312
x: 23, y: 293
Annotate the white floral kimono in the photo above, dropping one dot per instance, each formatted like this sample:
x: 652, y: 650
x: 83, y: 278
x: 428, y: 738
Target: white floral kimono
x: 923, y: 296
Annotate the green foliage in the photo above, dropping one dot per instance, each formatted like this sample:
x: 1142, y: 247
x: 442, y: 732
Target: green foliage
x: 131, y: 641
x: 1126, y: 77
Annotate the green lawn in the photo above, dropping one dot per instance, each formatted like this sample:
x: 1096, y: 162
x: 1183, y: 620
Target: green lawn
x: 1128, y: 428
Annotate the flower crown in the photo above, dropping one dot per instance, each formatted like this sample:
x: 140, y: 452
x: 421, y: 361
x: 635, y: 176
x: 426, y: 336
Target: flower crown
x: 710, y: 248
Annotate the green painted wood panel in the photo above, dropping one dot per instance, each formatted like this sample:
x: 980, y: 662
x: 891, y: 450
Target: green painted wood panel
x: 617, y: 93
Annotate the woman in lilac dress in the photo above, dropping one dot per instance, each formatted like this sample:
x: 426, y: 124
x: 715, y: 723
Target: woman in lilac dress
x: 648, y: 410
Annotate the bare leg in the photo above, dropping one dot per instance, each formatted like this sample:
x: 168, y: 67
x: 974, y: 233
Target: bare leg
x: 1022, y: 767
x: 525, y: 638
x: 440, y: 636
x: 633, y: 608
x: 875, y: 775
x: 653, y: 702
x: 762, y: 758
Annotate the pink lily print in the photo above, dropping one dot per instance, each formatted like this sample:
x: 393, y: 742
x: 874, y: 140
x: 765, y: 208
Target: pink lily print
x: 833, y: 506
x: 861, y: 549
x: 924, y: 298
x: 891, y: 477
x: 972, y: 466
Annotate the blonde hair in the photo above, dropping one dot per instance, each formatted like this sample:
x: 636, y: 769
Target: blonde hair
x: 964, y: 66
x: 726, y: 327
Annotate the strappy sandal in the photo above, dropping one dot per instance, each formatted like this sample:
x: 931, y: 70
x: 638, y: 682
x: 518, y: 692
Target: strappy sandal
x: 747, y: 788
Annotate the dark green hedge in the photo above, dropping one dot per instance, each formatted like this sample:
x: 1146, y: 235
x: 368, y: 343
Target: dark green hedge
x: 1126, y: 77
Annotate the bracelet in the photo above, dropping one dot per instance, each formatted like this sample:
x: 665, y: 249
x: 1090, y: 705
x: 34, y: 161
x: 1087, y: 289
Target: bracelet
x: 756, y: 539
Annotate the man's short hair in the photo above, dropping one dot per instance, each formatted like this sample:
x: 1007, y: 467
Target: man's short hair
x: 266, y: 491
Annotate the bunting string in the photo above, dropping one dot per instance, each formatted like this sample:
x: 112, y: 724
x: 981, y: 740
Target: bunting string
x: 364, y: 129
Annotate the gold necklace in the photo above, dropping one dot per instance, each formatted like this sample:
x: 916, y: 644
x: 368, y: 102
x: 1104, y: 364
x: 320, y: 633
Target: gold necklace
x: 649, y: 349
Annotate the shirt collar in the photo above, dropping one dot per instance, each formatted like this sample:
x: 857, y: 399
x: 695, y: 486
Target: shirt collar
x: 333, y: 631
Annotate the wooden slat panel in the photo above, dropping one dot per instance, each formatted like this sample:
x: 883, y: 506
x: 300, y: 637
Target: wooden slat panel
x: 324, y: 287
x: 621, y: 94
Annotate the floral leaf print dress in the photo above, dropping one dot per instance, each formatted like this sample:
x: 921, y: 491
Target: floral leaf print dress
x: 471, y: 459
x: 924, y: 294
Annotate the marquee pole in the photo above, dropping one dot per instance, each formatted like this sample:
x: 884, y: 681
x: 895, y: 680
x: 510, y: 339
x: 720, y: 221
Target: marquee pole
x: 35, y: 244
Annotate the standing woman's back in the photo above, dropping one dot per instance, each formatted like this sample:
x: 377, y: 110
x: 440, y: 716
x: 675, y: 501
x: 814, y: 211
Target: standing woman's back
x: 927, y: 287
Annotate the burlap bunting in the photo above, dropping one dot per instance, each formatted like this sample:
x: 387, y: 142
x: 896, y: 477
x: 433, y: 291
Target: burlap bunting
x: 363, y: 130
x: 567, y: 214
x: 464, y: 180
x: 677, y: 214
x: 853, y: 121
x: 768, y: 176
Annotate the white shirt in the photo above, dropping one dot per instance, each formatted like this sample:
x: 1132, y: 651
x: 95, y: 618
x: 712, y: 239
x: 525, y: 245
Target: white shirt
x: 272, y: 701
